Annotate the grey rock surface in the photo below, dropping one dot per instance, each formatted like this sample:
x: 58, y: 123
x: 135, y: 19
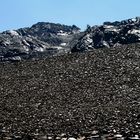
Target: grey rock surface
x: 42, y: 39
x: 110, y: 34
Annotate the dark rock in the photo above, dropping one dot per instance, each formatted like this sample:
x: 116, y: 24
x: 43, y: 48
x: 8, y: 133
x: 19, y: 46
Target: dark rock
x: 35, y: 42
x: 109, y: 34
x: 53, y: 34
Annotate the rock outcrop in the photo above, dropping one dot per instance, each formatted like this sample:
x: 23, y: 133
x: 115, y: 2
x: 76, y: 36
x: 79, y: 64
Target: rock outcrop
x: 109, y: 34
x: 41, y: 40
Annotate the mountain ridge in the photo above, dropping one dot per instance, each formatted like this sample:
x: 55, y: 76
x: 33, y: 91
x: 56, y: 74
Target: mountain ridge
x: 39, y: 40
x: 110, y: 34
x: 45, y: 39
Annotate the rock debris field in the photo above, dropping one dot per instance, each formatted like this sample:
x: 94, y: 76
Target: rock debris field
x: 93, y: 95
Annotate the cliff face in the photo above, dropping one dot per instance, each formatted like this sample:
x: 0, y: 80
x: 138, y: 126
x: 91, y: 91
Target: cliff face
x: 42, y: 39
x: 110, y: 34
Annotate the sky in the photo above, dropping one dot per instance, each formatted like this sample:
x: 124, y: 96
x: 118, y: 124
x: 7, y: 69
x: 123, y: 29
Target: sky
x: 16, y: 14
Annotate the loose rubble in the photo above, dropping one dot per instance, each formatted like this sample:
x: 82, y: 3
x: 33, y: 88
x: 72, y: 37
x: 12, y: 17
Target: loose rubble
x: 92, y: 95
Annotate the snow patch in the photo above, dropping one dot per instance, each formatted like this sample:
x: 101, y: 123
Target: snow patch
x: 88, y: 39
x: 134, y: 19
x: 12, y: 32
x: 134, y: 31
x: 112, y: 29
x: 108, y: 26
x: 63, y: 44
x: 25, y: 43
x: 62, y: 33
x: 39, y: 49
x: 58, y: 47
x: 26, y: 48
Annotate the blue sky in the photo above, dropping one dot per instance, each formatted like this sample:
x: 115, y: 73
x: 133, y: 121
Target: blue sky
x: 23, y: 13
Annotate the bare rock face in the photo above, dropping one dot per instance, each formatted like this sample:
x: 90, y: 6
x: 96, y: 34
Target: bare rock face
x: 12, y: 45
x: 109, y: 35
x: 45, y: 39
x: 41, y: 40
x: 53, y: 34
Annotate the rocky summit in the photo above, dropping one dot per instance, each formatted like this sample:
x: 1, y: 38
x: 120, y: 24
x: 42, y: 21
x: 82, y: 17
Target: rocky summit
x: 110, y: 34
x: 41, y: 40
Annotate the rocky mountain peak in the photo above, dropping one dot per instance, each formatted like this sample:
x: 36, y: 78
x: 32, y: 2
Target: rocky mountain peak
x: 39, y: 40
x: 51, y: 33
x: 53, y: 28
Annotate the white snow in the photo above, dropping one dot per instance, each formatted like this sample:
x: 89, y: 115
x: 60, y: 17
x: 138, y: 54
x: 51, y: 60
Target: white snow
x: 118, y: 135
x: 135, y: 138
x: 90, y: 47
x: 134, y: 19
x: 18, y: 58
x: 39, y: 49
x: 63, y: 44
x: 25, y: 42
x: 112, y: 29
x: 58, y: 47
x: 71, y: 139
x: 62, y: 33
x: 134, y: 31
x: 88, y: 39
x: 7, y: 42
x: 108, y: 26
x: 12, y: 32
x: 105, y: 44
x: 26, y: 48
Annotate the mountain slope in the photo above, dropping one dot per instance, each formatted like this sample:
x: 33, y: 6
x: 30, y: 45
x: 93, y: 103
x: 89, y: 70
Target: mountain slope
x: 92, y: 94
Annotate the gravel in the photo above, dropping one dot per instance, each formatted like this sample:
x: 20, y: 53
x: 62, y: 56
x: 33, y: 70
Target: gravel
x: 93, y: 95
